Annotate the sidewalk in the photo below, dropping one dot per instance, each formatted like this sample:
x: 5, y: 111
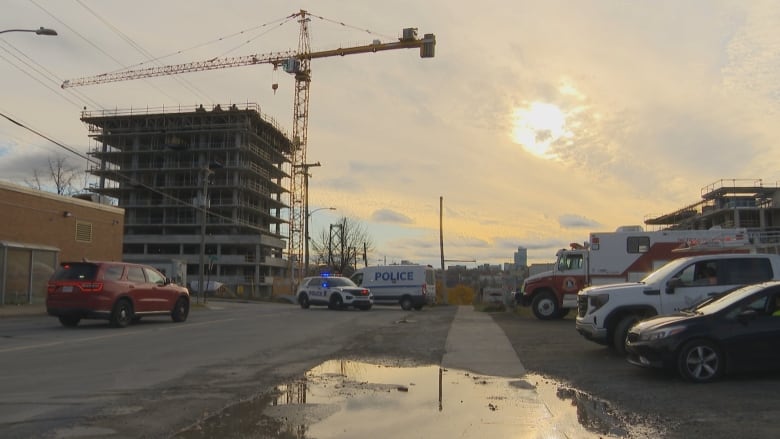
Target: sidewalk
x: 477, y: 344
x: 22, y: 310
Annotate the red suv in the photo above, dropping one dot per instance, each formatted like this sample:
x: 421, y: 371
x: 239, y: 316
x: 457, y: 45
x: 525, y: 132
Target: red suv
x: 117, y: 291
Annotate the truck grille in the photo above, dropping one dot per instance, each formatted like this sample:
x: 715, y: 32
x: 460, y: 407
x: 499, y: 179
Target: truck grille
x: 582, y: 305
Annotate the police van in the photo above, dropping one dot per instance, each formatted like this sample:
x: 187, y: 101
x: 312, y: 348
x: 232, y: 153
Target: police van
x: 411, y: 286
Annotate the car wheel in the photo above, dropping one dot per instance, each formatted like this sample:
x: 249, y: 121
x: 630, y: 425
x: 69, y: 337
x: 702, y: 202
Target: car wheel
x: 181, y: 310
x: 406, y: 303
x: 700, y: 361
x: 122, y: 314
x: 545, y: 306
x: 621, y: 332
x: 304, y: 301
x: 336, y: 302
x: 70, y: 321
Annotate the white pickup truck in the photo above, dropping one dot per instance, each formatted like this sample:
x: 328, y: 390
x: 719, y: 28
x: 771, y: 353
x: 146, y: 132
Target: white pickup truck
x: 606, y: 312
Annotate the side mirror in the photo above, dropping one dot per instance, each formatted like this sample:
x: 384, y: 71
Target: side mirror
x: 672, y: 284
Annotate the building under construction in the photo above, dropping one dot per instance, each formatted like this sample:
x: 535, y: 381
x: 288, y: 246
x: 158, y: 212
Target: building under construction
x: 170, y: 168
x: 730, y: 204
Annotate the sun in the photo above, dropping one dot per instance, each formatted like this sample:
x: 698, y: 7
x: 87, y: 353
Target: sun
x: 537, y: 127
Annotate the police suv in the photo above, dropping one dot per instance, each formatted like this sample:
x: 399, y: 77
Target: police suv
x: 333, y: 291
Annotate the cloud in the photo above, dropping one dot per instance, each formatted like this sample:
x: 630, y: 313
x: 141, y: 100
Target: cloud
x: 577, y: 222
x: 390, y: 216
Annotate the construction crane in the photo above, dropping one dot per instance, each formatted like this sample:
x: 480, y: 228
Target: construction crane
x: 296, y: 63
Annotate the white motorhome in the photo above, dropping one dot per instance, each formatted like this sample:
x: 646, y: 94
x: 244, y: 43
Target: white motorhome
x: 607, y: 312
x: 411, y: 286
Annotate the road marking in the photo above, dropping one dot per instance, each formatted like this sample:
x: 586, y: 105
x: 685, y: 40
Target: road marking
x: 101, y: 337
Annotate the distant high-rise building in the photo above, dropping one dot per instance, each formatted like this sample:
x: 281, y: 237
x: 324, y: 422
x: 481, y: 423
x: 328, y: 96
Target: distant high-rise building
x: 521, y: 257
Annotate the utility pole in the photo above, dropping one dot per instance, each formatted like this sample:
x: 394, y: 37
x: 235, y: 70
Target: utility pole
x: 305, y: 170
x: 441, y: 248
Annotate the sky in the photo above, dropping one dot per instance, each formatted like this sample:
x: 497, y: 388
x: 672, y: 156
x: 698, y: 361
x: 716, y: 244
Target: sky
x: 536, y: 123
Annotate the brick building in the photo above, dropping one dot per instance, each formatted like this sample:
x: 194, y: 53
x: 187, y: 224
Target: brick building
x: 40, y: 229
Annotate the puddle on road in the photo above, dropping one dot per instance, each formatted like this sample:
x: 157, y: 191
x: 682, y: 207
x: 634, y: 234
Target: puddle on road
x: 349, y: 399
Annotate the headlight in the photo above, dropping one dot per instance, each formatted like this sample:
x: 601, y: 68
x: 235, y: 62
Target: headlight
x: 659, y: 334
x: 596, y: 301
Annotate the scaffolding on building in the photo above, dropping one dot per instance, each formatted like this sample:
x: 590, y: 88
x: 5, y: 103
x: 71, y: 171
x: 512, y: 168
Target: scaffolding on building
x: 198, y: 184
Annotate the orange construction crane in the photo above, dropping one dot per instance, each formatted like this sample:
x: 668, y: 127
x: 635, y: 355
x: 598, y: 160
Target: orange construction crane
x: 296, y: 63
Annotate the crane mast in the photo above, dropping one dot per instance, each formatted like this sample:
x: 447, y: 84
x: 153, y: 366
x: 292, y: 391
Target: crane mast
x: 296, y: 63
x: 302, y: 73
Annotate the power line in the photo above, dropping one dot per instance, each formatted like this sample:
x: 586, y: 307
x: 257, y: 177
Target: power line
x: 187, y: 84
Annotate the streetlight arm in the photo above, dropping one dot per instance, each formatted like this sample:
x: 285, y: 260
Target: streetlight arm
x: 321, y: 208
x: 40, y: 31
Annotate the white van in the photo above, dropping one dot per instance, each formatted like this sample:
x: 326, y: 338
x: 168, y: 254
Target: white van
x: 410, y: 286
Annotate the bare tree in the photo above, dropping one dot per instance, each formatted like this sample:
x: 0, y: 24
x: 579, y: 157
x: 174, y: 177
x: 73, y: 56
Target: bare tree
x: 343, y: 246
x: 60, y: 175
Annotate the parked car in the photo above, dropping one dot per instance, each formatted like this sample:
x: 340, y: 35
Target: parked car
x: 335, y: 292
x: 117, y: 291
x: 739, y: 331
x: 606, y: 312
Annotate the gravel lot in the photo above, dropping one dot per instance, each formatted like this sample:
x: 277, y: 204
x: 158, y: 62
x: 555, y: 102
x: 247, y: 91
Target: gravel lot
x: 744, y: 406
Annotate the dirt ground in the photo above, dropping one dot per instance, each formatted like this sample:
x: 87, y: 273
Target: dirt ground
x: 744, y: 406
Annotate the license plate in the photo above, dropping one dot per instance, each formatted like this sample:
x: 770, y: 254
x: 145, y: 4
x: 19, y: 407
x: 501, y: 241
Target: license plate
x: 67, y: 289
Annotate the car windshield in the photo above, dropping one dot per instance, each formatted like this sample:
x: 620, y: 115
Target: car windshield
x: 662, y: 272
x: 728, y: 299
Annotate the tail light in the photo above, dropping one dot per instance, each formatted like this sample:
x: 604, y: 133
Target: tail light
x: 72, y: 287
x: 364, y: 292
x: 91, y: 287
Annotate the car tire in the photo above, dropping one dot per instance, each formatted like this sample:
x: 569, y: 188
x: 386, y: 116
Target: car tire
x: 700, y: 361
x: 545, y: 306
x: 303, y: 300
x: 406, y: 303
x: 70, y: 321
x: 181, y: 310
x: 620, y: 333
x: 336, y: 302
x: 122, y: 314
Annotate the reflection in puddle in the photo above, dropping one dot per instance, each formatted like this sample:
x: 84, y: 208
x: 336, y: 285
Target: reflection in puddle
x: 349, y: 399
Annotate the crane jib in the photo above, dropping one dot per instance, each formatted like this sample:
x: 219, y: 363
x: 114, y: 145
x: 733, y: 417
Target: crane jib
x: 426, y: 45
